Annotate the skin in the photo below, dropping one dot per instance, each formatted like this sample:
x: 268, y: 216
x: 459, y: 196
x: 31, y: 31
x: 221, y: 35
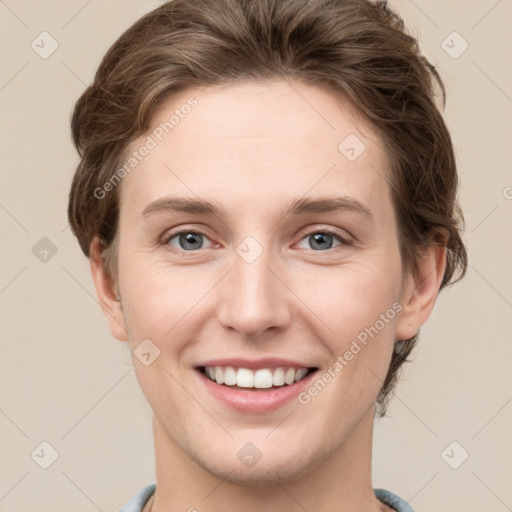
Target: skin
x: 254, y: 148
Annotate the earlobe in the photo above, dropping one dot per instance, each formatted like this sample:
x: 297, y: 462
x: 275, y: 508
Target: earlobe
x: 106, y: 292
x: 421, y: 290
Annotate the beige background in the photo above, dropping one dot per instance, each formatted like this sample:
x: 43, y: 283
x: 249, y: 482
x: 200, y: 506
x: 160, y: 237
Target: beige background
x: 66, y: 381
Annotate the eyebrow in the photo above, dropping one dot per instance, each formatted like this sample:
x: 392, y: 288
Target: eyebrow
x: 297, y: 207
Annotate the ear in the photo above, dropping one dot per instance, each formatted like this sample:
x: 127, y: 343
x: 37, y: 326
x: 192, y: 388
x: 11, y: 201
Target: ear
x: 420, y: 291
x: 106, y: 291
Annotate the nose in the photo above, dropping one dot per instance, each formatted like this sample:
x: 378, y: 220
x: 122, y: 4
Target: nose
x: 254, y: 297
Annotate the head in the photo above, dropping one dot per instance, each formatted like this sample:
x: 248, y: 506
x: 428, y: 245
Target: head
x: 252, y: 106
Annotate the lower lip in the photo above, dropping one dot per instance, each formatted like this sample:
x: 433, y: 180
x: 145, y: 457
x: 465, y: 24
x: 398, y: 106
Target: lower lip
x: 255, y: 401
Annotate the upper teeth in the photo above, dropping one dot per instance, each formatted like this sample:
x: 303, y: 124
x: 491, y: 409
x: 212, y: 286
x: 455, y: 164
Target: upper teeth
x: 262, y: 378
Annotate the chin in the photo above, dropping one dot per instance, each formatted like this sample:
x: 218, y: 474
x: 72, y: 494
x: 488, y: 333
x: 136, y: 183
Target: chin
x: 265, y: 472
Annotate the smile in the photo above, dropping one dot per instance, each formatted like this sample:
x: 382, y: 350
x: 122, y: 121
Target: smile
x: 267, y: 385
x: 262, y: 378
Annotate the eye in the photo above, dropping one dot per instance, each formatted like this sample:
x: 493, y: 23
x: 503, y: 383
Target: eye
x: 190, y: 241
x: 323, y: 240
x: 186, y: 240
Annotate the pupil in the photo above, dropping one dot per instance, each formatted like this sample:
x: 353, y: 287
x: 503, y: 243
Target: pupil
x: 320, y: 238
x: 190, y: 238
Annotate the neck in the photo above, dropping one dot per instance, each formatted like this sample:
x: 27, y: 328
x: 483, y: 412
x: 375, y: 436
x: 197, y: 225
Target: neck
x: 340, y: 483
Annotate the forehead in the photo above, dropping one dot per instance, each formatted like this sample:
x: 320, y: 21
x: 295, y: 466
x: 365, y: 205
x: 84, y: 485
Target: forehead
x: 257, y: 142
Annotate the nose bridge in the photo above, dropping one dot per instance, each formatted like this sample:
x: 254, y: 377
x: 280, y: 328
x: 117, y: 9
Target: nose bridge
x: 254, y: 298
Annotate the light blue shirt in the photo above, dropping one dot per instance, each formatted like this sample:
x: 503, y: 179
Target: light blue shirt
x: 137, y: 503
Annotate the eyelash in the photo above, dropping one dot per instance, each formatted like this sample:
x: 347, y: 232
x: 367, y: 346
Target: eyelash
x: 343, y: 241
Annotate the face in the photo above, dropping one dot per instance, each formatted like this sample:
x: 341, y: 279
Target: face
x: 258, y: 247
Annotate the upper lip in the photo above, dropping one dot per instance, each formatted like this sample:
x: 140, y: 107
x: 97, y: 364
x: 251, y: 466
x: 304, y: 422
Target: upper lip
x: 266, y: 362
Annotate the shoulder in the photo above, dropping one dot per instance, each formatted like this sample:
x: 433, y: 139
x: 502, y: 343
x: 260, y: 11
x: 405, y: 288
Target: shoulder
x: 137, y: 502
x: 393, y: 500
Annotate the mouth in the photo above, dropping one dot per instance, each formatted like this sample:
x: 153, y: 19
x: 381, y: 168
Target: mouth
x: 257, y: 390
x: 251, y: 380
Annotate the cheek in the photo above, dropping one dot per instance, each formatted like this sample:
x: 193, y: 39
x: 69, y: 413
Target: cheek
x: 359, y: 306
x: 353, y: 298
x: 158, y: 297
x: 361, y: 348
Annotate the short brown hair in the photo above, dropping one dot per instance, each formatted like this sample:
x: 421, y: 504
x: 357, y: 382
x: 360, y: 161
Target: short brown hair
x: 355, y: 48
